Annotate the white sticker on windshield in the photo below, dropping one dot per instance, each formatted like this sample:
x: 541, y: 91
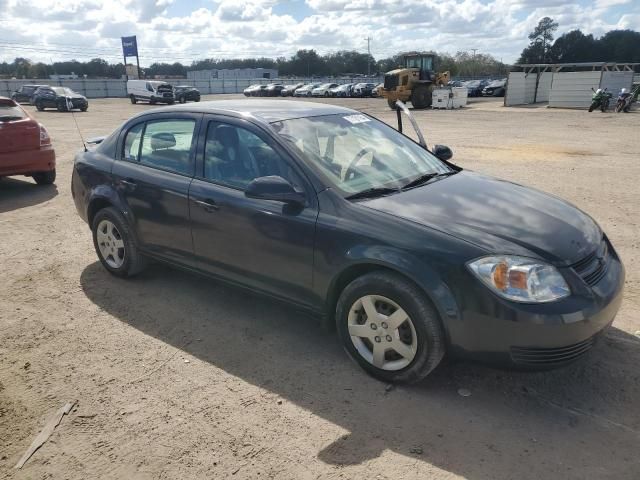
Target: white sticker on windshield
x: 358, y: 118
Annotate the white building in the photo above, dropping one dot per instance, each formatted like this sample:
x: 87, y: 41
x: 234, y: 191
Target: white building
x: 233, y: 74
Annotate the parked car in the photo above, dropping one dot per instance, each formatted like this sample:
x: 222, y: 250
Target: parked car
x: 289, y: 90
x: 249, y: 90
x: 495, y: 88
x: 305, y: 90
x: 186, y: 93
x: 62, y: 98
x: 475, y: 87
x: 407, y: 254
x: 24, y: 93
x: 363, y: 89
x: 343, y: 90
x: 377, y: 90
x: 25, y: 145
x: 323, y: 90
x: 256, y: 91
x: 455, y: 83
x: 152, y: 91
x: 273, y: 90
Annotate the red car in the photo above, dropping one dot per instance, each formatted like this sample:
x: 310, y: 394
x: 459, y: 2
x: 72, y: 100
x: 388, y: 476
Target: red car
x: 25, y: 145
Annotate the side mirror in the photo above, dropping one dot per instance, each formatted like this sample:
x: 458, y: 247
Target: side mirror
x: 274, y: 188
x: 442, y: 152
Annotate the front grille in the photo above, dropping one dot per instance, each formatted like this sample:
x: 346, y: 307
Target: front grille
x: 390, y: 82
x: 540, y: 357
x: 594, y: 266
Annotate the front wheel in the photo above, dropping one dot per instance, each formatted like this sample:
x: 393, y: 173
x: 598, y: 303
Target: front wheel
x: 182, y: 99
x: 391, y: 103
x: 593, y: 106
x: 421, y: 97
x: 133, y: 99
x: 62, y: 107
x: 45, y: 178
x: 114, y: 244
x: 619, y: 107
x: 39, y: 106
x: 389, y: 327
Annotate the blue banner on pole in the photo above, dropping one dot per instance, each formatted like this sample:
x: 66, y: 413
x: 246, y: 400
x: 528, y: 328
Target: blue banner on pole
x: 129, y: 46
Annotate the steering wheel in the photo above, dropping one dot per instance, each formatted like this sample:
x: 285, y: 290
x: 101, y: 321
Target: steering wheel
x: 351, y: 170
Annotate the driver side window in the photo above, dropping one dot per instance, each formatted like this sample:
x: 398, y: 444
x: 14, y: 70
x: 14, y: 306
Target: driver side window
x: 234, y: 156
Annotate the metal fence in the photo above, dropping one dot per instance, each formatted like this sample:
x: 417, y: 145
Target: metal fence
x: 106, y: 88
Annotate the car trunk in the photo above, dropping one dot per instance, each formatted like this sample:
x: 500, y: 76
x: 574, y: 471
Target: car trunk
x: 19, y: 134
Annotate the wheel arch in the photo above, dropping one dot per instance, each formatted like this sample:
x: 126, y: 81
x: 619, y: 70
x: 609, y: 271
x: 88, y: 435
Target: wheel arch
x: 410, y: 268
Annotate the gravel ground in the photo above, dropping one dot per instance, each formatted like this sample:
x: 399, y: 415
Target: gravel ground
x: 177, y: 376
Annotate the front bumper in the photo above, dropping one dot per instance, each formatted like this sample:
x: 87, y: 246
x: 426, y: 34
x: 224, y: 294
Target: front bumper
x: 547, y: 335
x: 163, y: 99
x: 27, y: 162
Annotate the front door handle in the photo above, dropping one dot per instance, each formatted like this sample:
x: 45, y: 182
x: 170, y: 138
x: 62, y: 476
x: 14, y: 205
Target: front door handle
x: 208, y: 204
x: 130, y: 184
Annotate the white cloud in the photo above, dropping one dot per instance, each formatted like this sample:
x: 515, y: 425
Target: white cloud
x: 225, y: 28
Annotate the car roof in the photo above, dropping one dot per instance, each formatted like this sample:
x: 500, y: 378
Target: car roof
x: 266, y: 111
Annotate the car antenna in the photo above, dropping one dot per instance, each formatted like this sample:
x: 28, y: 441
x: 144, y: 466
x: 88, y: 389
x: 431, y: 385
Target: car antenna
x: 70, y: 108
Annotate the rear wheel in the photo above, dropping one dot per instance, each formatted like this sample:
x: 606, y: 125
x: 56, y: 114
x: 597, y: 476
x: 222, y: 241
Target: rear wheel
x: 421, y: 96
x: 45, y: 178
x: 389, y: 327
x: 133, y: 99
x: 114, y: 244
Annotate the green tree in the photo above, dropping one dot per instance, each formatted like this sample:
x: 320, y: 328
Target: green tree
x: 541, y: 40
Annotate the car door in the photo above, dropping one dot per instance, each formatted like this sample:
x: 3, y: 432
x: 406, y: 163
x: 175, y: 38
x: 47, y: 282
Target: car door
x: 263, y: 244
x: 152, y: 174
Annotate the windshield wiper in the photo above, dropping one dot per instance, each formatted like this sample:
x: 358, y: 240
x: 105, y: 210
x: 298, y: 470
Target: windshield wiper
x: 425, y: 178
x: 372, y: 193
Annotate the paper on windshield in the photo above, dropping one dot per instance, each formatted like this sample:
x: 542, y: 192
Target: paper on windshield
x: 358, y: 118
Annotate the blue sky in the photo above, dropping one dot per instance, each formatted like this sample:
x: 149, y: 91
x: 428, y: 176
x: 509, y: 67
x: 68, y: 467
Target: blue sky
x: 179, y: 30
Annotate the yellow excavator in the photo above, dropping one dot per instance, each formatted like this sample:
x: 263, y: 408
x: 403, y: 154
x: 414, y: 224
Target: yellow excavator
x: 413, y: 82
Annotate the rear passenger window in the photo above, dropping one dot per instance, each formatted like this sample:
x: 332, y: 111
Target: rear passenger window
x: 132, y: 143
x: 167, y: 144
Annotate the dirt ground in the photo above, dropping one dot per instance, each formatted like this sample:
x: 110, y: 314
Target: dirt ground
x: 178, y: 376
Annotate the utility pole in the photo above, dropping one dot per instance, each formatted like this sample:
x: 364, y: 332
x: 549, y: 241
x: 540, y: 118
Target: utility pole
x: 473, y: 61
x: 368, y: 39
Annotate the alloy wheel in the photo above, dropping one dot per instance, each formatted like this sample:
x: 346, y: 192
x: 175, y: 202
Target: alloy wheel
x: 110, y: 244
x: 382, y: 332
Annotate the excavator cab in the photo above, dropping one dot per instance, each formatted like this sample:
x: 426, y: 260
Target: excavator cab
x: 421, y: 61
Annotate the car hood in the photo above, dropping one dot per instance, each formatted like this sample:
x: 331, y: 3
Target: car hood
x: 498, y: 216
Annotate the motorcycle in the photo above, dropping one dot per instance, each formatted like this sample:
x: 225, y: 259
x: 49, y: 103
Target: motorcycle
x: 601, y: 99
x: 623, y: 104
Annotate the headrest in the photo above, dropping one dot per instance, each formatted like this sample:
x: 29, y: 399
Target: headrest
x: 227, y: 135
x: 162, y: 140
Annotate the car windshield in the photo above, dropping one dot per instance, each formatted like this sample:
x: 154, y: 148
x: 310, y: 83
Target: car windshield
x: 63, y: 91
x: 9, y: 112
x: 356, y: 152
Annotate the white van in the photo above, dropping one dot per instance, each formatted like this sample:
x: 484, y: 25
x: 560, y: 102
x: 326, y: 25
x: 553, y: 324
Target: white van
x: 152, y: 91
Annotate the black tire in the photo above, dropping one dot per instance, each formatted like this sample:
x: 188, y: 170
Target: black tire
x: 603, y: 107
x: 197, y: 99
x: 85, y: 108
x: 619, y: 107
x: 593, y: 106
x: 133, y: 99
x: 421, y: 97
x: 182, y: 99
x: 152, y: 101
x: 45, y: 178
x: 430, y: 345
x: 391, y: 103
x: 171, y: 102
x: 39, y: 106
x: 61, y: 107
x: 133, y: 262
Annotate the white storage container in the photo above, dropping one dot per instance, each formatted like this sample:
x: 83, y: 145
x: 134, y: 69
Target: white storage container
x: 449, y: 97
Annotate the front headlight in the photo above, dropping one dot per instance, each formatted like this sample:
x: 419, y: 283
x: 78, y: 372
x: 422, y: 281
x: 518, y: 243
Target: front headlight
x: 521, y: 279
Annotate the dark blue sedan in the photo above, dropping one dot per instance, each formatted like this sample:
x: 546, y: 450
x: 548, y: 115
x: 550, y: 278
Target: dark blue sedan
x: 407, y: 255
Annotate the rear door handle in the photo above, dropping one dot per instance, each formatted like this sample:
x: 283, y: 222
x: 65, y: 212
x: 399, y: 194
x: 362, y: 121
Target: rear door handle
x: 208, y: 204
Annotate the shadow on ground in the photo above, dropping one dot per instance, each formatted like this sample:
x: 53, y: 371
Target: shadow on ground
x: 15, y: 194
x: 579, y: 422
